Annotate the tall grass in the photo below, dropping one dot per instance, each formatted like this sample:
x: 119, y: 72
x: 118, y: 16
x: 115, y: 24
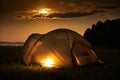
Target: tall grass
x: 11, y: 69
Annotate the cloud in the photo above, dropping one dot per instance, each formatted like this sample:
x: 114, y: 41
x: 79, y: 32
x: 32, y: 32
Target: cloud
x: 72, y: 4
x: 23, y: 17
x: 110, y: 7
x: 61, y: 2
x: 28, y: 15
x: 25, y: 14
x: 69, y: 10
x: 68, y: 15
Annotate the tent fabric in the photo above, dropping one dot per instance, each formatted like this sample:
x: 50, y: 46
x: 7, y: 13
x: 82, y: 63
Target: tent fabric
x: 29, y: 44
x: 66, y: 47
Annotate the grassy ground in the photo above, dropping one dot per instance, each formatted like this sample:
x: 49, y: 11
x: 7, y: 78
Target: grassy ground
x: 10, y: 68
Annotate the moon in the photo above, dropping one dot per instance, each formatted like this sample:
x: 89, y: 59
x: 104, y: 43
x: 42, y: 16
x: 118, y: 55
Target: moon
x: 44, y: 11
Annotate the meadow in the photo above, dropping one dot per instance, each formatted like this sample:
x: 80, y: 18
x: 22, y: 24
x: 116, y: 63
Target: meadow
x: 12, y: 69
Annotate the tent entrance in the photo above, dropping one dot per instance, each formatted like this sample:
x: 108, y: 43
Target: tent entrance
x: 79, y: 54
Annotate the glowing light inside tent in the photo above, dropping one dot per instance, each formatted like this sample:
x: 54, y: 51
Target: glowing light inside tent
x: 48, y: 62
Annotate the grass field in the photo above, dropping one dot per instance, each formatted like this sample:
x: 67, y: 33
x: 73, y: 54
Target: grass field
x: 11, y: 69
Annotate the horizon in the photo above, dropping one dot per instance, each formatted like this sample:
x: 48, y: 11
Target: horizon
x: 18, y: 22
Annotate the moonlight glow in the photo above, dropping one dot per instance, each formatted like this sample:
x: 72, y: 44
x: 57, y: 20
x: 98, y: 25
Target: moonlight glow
x: 44, y: 11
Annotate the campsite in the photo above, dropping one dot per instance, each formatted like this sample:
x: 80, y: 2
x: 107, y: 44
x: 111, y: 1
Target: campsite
x: 92, y: 62
x: 10, y: 68
x: 26, y: 62
x: 59, y: 39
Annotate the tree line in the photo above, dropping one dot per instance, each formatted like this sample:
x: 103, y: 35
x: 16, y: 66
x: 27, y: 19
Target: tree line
x: 104, y: 33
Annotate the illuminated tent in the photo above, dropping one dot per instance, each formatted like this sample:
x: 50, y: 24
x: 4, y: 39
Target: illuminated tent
x: 58, y: 48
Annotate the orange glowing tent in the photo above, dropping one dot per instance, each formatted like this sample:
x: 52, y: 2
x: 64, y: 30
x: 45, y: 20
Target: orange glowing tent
x: 58, y: 48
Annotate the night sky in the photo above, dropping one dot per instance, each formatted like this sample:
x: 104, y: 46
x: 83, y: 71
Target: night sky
x: 20, y: 18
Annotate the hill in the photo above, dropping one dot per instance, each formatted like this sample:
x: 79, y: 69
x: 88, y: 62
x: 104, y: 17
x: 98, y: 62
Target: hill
x: 104, y: 33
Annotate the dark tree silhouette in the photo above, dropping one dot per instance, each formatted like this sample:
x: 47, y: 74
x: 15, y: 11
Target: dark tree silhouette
x: 104, y: 33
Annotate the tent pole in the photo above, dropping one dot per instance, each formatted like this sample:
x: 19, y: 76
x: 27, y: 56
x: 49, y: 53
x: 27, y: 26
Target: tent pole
x: 71, y: 46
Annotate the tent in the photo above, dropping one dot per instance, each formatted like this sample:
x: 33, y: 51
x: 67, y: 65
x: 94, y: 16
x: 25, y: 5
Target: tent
x: 58, y: 48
